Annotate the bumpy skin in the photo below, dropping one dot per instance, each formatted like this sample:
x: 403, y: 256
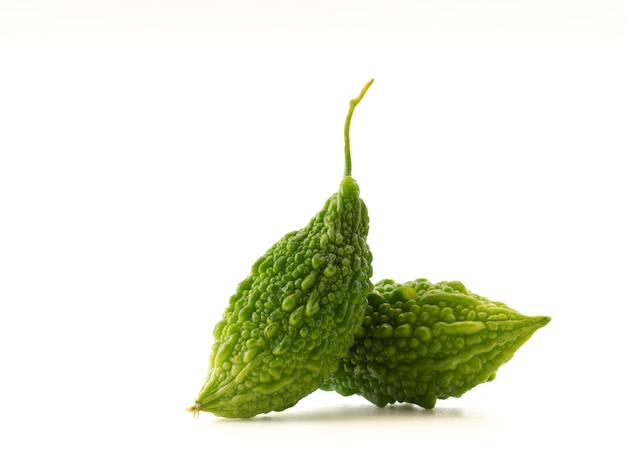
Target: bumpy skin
x: 420, y: 342
x: 294, y: 316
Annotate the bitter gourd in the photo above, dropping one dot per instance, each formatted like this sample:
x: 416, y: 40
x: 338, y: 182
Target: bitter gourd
x: 294, y: 316
x: 420, y: 342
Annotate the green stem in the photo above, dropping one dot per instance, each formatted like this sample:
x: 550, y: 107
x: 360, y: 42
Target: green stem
x: 346, y: 129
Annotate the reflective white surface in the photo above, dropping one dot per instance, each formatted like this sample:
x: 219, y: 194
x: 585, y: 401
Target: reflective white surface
x: 149, y: 153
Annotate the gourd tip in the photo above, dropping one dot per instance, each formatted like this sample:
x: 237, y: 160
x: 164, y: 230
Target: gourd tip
x: 195, y: 410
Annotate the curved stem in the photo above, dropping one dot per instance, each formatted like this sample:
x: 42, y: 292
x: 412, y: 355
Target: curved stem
x: 346, y: 129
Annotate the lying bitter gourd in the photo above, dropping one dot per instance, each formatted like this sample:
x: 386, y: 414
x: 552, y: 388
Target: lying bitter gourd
x: 420, y: 342
x: 294, y: 316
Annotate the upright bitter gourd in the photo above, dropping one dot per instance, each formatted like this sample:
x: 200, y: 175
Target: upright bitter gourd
x: 420, y: 342
x: 294, y: 316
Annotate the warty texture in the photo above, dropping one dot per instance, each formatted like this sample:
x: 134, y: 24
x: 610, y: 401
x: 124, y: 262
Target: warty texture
x: 294, y: 316
x: 420, y: 342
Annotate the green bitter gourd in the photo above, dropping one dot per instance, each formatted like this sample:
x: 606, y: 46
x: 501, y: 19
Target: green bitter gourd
x: 420, y: 342
x: 294, y: 316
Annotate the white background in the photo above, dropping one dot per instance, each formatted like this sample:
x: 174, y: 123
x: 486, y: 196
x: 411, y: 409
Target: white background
x: 151, y: 151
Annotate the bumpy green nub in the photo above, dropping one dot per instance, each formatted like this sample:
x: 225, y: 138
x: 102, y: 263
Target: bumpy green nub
x: 420, y: 342
x: 294, y: 316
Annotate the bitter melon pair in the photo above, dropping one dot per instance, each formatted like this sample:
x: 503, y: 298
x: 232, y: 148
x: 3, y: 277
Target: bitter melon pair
x: 308, y: 317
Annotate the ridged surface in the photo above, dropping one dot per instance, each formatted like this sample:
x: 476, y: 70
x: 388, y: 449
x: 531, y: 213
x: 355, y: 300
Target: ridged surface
x: 294, y: 316
x: 420, y: 342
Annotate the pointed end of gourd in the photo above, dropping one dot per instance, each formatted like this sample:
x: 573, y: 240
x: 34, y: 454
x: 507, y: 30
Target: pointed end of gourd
x: 195, y: 409
x: 536, y: 323
x: 527, y: 329
x: 541, y: 321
